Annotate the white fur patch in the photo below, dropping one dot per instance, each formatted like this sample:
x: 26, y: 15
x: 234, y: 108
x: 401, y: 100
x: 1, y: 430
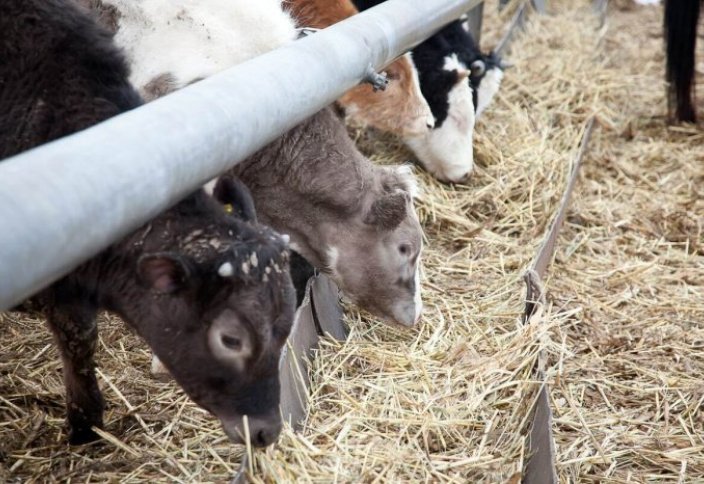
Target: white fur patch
x: 447, y: 151
x: 333, y: 256
x: 405, y: 173
x: 417, y: 301
x: 452, y: 63
x: 196, y: 39
x: 210, y: 186
x: 488, y: 88
x: 427, y: 113
x: 158, y: 368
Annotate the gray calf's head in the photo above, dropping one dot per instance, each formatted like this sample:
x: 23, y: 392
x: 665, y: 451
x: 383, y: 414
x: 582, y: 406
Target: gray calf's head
x: 375, y: 255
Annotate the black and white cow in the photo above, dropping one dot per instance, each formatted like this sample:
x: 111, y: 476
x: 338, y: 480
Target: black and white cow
x: 459, y: 82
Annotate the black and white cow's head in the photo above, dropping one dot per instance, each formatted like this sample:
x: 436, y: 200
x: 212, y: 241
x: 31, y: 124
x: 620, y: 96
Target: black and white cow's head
x: 459, y: 82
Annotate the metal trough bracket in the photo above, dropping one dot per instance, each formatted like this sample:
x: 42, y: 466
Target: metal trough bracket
x: 379, y: 81
x: 540, y: 468
x: 319, y: 315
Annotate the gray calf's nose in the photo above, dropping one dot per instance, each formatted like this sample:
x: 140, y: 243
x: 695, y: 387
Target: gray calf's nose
x: 406, y: 314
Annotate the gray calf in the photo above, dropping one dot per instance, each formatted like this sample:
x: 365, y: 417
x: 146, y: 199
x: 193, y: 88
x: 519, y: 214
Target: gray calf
x: 350, y: 218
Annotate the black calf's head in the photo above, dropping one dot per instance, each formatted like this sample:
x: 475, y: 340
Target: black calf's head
x: 215, y: 302
x: 459, y: 82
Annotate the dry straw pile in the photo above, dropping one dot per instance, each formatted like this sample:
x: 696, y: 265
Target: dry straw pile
x: 628, y: 379
x: 450, y: 400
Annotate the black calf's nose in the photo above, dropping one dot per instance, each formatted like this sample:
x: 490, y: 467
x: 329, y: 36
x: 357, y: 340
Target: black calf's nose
x: 264, y: 433
x: 264, y: 438
x: 261, y: 431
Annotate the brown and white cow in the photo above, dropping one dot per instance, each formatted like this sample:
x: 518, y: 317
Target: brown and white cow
x: 401, y: 108
x: 459, y: 82
x: 209, y: 292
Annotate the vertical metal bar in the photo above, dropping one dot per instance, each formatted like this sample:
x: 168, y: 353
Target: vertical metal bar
x: 539, y: 6
x: 540, y: 468
x: 516, y: 23
x: 474, y: 22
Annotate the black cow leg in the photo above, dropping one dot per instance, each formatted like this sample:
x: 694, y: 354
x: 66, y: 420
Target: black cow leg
x: 76, y: 334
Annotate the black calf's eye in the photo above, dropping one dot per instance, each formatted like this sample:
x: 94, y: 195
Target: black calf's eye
x: 404, y: 249
x: 232, y: 343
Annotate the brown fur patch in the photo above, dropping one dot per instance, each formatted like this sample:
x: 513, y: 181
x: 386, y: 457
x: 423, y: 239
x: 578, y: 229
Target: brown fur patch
x: 400, y: 109
x: 108, y: 15
x: 159, y: 86
x: 319, y: 14
x: 388, y: 211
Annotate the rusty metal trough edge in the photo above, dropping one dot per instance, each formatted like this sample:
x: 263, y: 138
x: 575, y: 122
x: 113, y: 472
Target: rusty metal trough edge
x: 319, y: 315
x: 540, y: 468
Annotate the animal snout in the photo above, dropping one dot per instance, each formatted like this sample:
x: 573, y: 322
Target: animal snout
x: 457, y: 174
x: 407, y: 314
x: 461, y: 178
x: 262, y: 431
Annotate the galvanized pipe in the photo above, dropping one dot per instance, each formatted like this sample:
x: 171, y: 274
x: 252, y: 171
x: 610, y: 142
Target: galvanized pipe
x: 64, y: 202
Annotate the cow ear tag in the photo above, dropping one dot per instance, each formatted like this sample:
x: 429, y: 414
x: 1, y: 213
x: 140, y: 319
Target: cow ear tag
x: 229, y: 209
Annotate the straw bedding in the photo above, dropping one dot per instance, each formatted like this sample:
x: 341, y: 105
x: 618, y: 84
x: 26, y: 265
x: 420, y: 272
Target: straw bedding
x: 450, y: 400
x: 627, y: 379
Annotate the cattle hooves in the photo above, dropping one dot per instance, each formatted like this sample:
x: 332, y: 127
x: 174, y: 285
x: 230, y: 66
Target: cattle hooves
x: 82, y: 436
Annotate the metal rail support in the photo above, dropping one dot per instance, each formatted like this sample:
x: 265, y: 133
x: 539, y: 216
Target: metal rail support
x: 540, y: 468
x: 474, y: 22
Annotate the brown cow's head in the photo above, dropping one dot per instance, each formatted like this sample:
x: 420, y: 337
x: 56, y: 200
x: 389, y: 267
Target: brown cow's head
x: 400, y: 109
x: 215, y: 302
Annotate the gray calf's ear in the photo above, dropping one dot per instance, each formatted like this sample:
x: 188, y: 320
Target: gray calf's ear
x: 388, y: 211
x: 163, y: 272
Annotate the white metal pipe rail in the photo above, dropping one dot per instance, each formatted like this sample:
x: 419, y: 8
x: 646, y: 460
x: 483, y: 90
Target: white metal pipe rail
x: 64, y: 202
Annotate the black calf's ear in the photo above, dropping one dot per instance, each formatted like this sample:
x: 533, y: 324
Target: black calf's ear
x: 388, y: 211
x: 231, y: 191
x: 162, y: 272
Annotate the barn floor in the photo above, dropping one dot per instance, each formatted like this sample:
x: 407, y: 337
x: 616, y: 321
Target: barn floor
x: 628, y: 374
x: 449, y: 402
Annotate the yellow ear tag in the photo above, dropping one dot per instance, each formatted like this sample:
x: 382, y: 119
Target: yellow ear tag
x: 229, y: 208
